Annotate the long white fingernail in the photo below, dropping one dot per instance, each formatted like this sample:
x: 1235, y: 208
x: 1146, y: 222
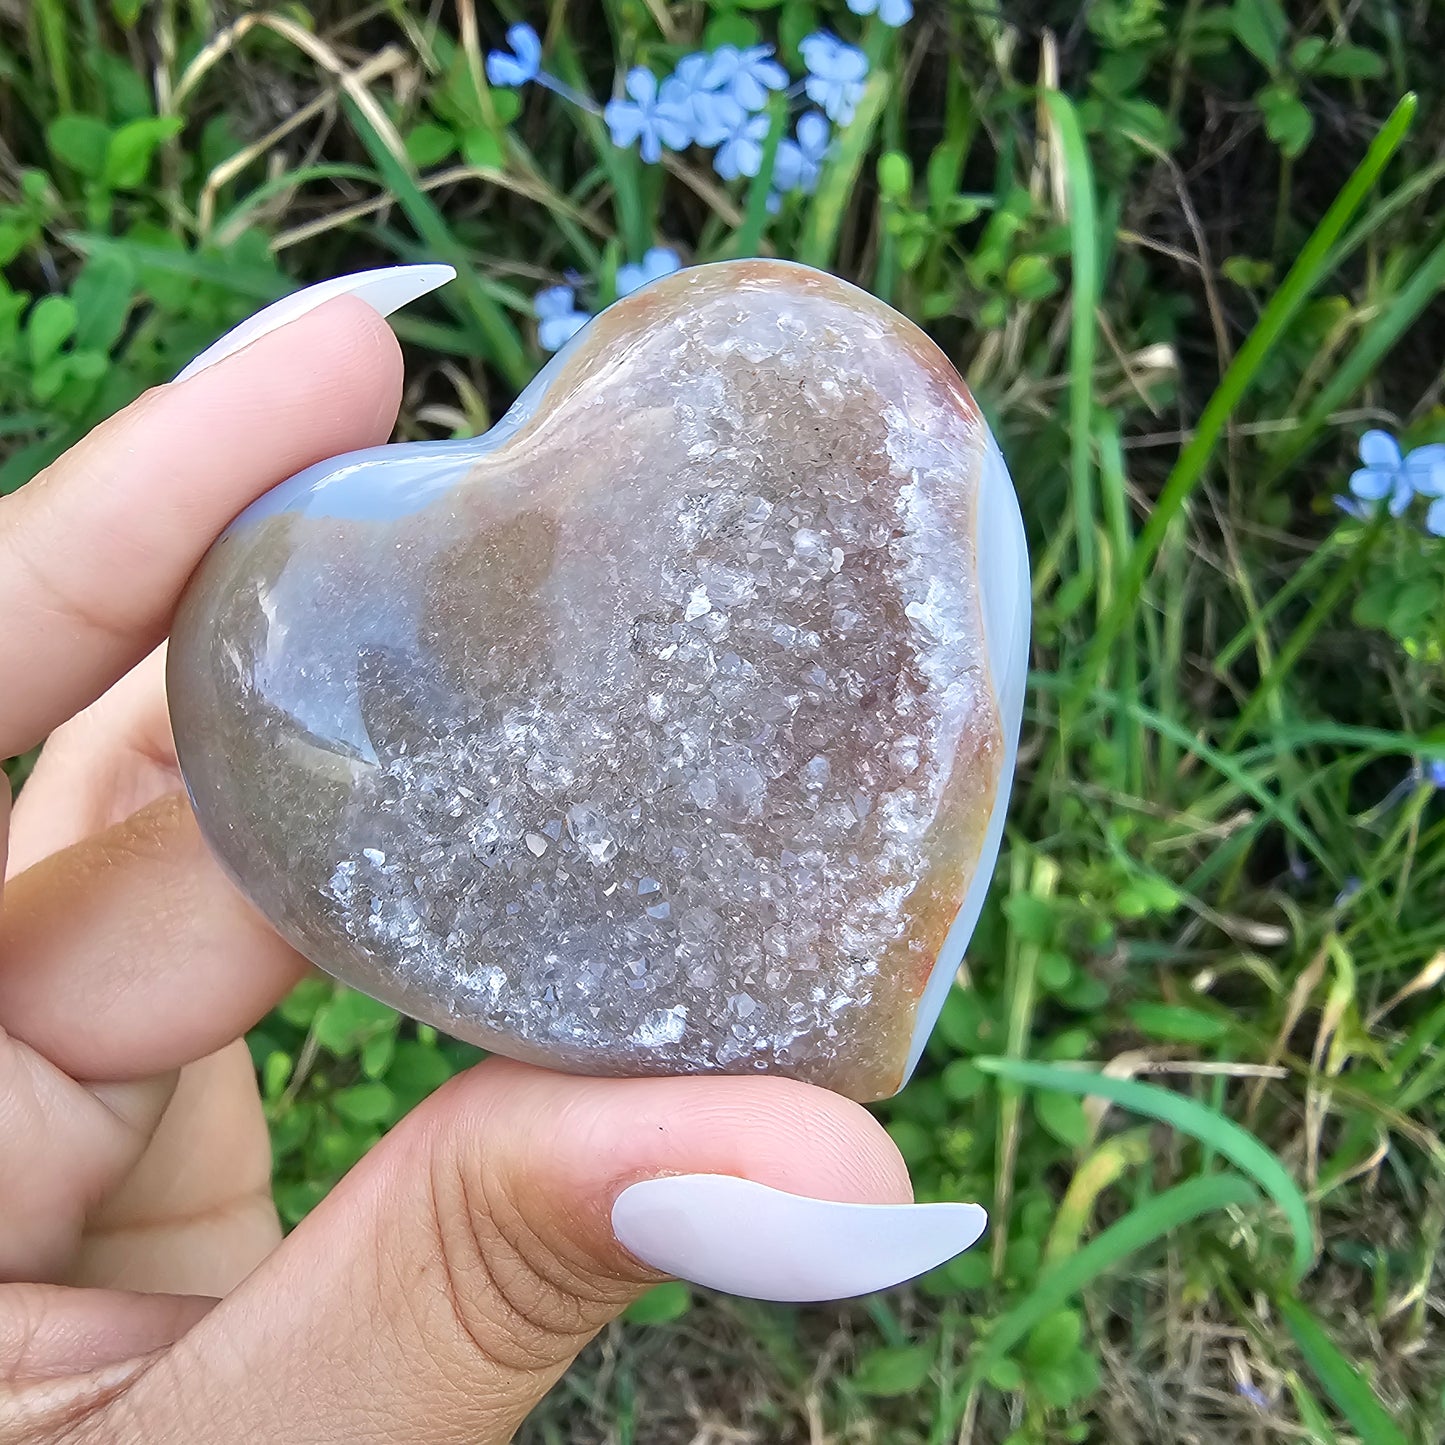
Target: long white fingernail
x: 385, y: 290
x: 747, y: 1239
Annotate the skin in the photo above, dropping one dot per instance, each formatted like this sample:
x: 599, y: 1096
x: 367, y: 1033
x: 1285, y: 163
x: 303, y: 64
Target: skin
x: 146, y: 1294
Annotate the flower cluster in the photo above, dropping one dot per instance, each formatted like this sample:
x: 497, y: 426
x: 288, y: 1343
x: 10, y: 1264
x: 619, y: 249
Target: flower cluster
x: 1395, y: 477
x: 718, y: 100
x: 559, y: 318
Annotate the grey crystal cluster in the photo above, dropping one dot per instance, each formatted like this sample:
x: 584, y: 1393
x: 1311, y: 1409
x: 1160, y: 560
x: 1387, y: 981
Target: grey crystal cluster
x: 654, y: 732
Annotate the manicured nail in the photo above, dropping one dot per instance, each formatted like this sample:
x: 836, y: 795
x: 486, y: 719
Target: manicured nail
x: 747, y: 1239
x: 385, y: 291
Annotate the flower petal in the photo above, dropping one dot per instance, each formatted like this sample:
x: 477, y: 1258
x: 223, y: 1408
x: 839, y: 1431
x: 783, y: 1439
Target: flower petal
x: 1379, y: 449
x: 641, y: 85
x: 624, y: 120
x: 553, y: 301
x: 814, y: 134
x: 1425, y: 466
x: 1435, y: 518
x: 526, y: 44
x: 1369, y: 484
x: 556, y: 331
x: 660, y: 261
x: 787, y: 166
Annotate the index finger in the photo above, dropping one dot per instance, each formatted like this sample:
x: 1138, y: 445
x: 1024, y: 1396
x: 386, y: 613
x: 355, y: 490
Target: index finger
x: 95, y: 551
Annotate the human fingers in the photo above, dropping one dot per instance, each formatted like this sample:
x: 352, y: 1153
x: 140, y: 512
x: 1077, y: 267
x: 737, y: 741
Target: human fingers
x: 110, y: 760
x: 453, y: 1276
x: 95, y: 550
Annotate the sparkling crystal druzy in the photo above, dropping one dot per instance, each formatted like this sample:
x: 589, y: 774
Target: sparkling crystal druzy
x: 667, y: 727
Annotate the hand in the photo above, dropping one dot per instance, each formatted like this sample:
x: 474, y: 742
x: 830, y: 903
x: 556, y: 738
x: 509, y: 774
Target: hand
x: 451, y: 1278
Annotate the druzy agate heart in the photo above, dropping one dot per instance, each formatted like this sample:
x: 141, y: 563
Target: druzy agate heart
x: 667, y: 727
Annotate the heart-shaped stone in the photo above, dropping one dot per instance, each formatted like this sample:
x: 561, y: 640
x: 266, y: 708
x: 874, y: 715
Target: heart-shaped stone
x: 665, y: 728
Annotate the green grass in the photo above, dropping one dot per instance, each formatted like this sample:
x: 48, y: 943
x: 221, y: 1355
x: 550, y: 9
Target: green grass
x: 1184, y: 254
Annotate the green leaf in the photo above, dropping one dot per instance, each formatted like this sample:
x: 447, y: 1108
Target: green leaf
x: 964, y: 1023
x: 1287, y: 120
x: 1261, y: 26
x: 127, y: 12
x: 377, y: 1053
x: 1006, y: 1376
x: 1030, y: 278
x: 102, y: 293
x: 276, y: 1074
x: 481, y: 148
x: 132, y: 148
x: 1032, y: 918
x: 661, y: 1305
x: 428, y: 144
x: 302, y: 1004
x: 1351, y: 62
x: 1344, y: 1384
x: 1054, y: 1339
x: 365, y: 1103
x: 416, y: 1070
x: 895, y: 175
x: 80, y: 142
x: 349, y: 1020
x: 50, y: 325
x: 961, y: 1081
x: 892, y: 1370
x: 47, y: 381
x: 1064, y: 1118
x: 730, y: 28
x: 1177, y: 1023
x: 1209, y: 1126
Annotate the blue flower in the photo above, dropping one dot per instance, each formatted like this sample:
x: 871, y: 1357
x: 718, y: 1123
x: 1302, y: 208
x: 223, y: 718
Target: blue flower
x: 558, y: 318
x: 799, y: 161
x: 715, y: 114
x: 1434, y: 772
x: 741, y: 154
x: 1383, y: 476
x: 746, y: 75
x: 890, y: 12
x: 657, y: 262
x: 836, y: 73
x: 1425, y: 466
x: 648, y: 118
x: 522, y: 64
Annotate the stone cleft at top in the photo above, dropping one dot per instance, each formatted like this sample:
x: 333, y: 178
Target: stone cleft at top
x: 668, y: 727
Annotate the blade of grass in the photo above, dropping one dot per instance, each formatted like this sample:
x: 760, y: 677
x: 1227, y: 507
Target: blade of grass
x: 1346, y: 1387
x: 499, y: 337
x: 1223, y: 1135
x: 1279, y: 809
x: 755, y: 219
x: 1306, y: 273
x: 1137, y: 1230
x: 838, y: 188
x: 1375, y: 342
x: 1330, y: 597
x: 1021, y: 963
x: 1083, y: 241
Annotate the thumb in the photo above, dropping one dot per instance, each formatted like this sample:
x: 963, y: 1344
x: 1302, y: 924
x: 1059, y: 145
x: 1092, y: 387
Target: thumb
x: 450, y: 1279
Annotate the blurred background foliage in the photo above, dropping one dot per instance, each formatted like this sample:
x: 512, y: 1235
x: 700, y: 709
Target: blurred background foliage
x: 1185, y: 254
